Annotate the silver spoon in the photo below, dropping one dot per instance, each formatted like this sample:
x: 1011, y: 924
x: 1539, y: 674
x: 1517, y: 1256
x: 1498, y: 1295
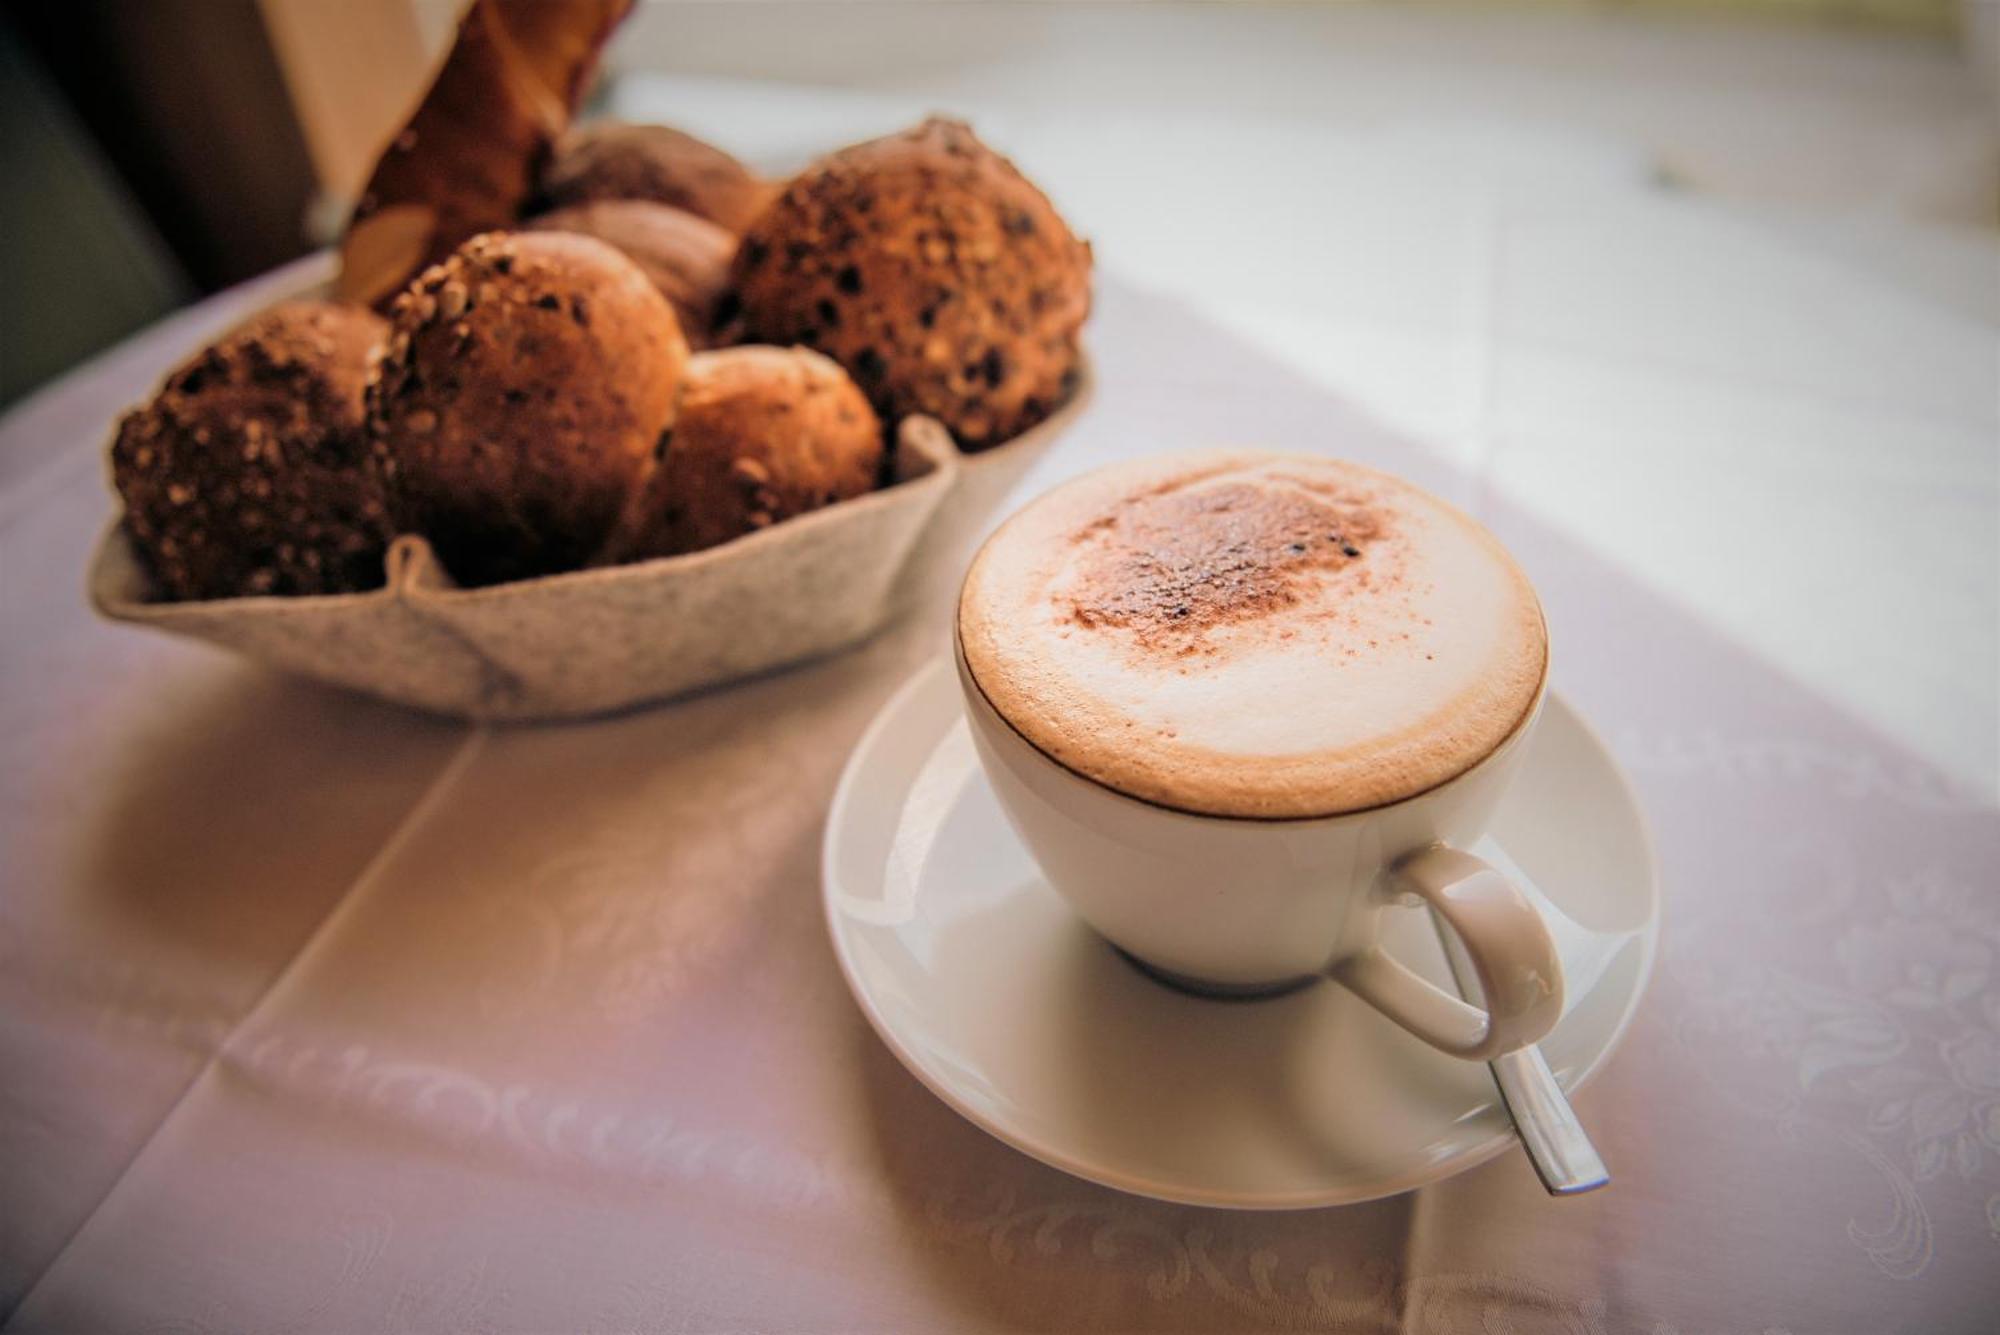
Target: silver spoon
x: 1557, y: 1144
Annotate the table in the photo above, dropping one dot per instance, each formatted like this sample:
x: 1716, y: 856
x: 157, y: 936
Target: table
x: 316, y: 1014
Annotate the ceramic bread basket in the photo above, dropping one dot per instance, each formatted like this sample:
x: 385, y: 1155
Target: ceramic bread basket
x: 592, y: 641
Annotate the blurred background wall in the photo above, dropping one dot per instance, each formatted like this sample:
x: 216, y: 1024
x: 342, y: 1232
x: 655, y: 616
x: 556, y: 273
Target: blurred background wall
x: 157, y: 149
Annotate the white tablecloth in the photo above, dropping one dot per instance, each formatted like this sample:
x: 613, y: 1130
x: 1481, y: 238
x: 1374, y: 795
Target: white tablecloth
x: 320, y: 1015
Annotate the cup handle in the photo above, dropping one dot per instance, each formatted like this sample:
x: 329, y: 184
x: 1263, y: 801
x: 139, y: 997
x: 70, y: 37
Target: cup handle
x: 1519, y: 972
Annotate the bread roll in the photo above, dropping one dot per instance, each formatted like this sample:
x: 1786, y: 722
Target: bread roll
x: 933, y: 271
x: 246, y: 473
x: 686, y: 257
x: 528, y: 382
x: 613, y: 160
x: 763, y: 434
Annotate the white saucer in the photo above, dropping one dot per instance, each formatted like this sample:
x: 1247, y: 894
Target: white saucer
x: 998, y: 998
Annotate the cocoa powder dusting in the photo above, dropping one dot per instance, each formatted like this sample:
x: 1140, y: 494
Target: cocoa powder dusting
x: 1171, y: 566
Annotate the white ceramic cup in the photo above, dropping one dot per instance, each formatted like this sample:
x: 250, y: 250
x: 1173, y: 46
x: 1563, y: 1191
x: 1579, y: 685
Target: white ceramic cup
x: 1242, y: 906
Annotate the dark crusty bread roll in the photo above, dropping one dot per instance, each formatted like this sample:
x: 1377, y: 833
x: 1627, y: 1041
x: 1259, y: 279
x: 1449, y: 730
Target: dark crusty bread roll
x: 613, y: 160
x: 686, y: 257
x: 526, y: 386
x: 246, y: 473
x: 469, y: 158
x: 933, y: 271
x: 763, y: 434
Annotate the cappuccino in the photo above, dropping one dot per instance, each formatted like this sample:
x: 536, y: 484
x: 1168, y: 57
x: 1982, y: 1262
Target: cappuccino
x: 1245, y: 633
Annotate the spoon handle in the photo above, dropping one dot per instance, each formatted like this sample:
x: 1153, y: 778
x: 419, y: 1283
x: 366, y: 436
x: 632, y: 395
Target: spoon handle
x: 1557, y: 1144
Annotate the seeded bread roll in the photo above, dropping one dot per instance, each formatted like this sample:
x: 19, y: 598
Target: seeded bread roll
x: 933, y: 271
x: 246, y: 473
x: 526, y: 386
x: 763, y: 434
x: 612, y: 160
x: 686, y: 257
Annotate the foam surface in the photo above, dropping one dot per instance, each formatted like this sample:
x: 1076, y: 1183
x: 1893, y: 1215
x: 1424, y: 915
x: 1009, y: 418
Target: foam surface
x: 1246, y: 633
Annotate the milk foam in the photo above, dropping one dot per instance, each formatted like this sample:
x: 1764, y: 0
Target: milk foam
x: 1254, y: 634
